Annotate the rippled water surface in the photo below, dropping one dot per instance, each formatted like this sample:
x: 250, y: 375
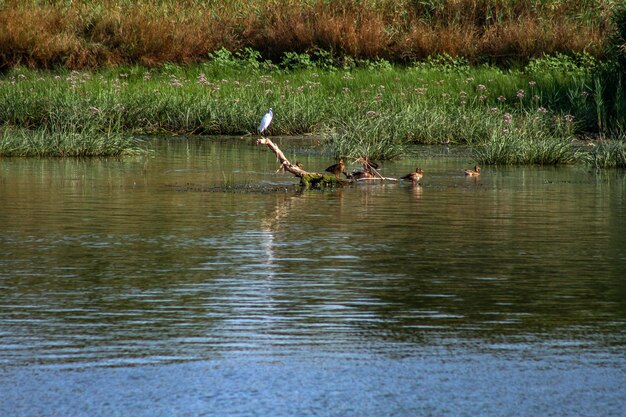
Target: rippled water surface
x: 197, y: 281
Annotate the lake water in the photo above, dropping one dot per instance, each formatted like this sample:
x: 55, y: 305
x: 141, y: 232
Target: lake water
x: 197, y: 281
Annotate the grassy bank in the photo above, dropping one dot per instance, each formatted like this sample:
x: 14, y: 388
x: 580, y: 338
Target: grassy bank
x: 530, y: 116
x: 428, y: 103
x: 44, y: 142
x: 83, y: 34
x: 519, y: 80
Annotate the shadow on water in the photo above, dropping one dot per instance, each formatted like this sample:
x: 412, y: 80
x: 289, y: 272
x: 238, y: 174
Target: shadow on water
x: 123, y: 263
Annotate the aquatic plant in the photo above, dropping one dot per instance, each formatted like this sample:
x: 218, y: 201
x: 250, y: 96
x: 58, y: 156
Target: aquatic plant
x: 529, y: 139
x: 375, y: 136
x: 607, y: 154
x: 512, y: 150
x: 47, y: 142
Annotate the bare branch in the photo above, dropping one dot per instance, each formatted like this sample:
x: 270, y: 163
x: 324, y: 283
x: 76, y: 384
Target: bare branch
x: 284, y: 162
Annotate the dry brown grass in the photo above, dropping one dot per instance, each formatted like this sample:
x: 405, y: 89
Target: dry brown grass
x: 88, y: 33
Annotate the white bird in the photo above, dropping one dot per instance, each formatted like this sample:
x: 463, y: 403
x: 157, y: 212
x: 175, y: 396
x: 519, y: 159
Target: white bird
x: 265, y: 121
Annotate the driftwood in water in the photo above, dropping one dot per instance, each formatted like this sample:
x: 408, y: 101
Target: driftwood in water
x: 314, y: 179
x: 377, y: 179
x: 307, y: 179
x: 284, y: 162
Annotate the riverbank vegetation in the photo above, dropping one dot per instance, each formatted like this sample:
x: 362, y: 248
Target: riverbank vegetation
x: 530, y: 116
x: 42, y: 142
x: 557, y: 108
x: 81, y: 34
x: 360, y: 111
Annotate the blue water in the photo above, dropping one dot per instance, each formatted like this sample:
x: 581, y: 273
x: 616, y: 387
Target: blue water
x: 197, y: 281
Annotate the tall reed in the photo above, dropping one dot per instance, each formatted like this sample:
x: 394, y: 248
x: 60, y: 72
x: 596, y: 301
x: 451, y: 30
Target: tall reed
x: 611, y: 79
x: 85, y: 33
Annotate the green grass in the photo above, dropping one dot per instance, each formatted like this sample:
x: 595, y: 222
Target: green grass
x: 508, y: 149
x: 527, y: 138
x: 371, y: 111
x: 431, y: 106
x: 44, y: 142
x: 607, y: 154
x: 374, y: 136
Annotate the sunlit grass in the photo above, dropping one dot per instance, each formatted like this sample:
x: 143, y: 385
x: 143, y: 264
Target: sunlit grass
x: 45, y: 142
x: 361, y: 112
x: 524, y: 138
x: 375, y: 136
x: 87, y: 34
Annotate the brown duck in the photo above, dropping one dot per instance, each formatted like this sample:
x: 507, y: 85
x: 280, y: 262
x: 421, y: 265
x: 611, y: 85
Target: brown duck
x: 360, y: 174
x: 473, y: 172
x: 414, y: 176
x: 337, y: 169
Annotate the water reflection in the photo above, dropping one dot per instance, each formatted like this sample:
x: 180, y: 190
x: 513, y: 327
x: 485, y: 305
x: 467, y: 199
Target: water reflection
x: 122, y: 262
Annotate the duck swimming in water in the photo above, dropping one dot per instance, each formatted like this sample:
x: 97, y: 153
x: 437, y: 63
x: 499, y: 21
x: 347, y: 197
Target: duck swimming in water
x: 414, y: 176
x: 473, y: 172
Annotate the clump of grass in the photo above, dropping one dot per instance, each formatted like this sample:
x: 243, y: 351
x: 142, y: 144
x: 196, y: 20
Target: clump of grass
x: 607, y: 154
x: 514, y: 142
x: 516, y: 150
x: 45, y: 142
x: 374, y: 136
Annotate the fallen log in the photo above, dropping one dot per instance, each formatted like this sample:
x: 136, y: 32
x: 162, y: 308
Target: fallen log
x: 307, y: 179
x: 284, y: 162
x: 311, y: 179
